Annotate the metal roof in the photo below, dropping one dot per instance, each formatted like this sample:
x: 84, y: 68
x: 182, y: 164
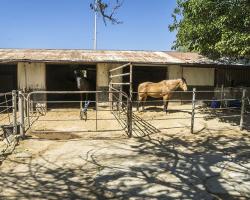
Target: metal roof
x: 99, y: 56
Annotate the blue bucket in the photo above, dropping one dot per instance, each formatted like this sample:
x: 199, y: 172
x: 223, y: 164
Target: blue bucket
x: 215, y: 104
x: 235, y: 103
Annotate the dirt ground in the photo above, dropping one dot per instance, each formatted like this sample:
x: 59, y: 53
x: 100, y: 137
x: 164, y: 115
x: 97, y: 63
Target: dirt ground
x: 68, y: 159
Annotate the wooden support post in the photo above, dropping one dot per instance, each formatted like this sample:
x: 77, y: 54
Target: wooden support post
x: 14, y: 111
x: 193, y: 111
x: 21, y: 113
x: 242, y: 109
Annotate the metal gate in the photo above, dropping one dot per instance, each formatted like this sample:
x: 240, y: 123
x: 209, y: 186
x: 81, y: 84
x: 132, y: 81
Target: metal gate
x: 64, y: 116
x: 120, y: 102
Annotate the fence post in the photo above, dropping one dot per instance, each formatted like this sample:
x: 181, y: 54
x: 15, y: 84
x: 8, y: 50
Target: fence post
x: 110, y: 95
x: 119, y: 101
x: 242, y: 109
x: 131, y: 81
x: 221, y: 95
x: 14, y: 111
x: 21, y: 113
x: 129, y: 118
x: 193, y: 111
x: 96, y: 110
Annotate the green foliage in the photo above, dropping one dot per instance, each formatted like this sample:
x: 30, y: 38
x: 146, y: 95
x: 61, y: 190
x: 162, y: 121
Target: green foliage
x: 215, y: 28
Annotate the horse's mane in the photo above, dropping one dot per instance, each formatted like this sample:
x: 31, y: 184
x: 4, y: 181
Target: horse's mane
x: 184, y: 80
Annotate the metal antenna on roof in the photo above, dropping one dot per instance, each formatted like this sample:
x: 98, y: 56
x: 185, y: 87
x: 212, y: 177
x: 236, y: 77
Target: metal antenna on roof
x: 95, y: 26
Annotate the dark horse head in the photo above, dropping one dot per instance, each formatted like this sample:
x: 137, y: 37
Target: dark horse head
x: 81, y: 80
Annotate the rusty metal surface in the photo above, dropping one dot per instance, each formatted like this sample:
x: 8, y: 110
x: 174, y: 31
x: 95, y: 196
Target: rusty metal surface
x: 189, y: 57
x: 85, y: 56
x: 97, y: 56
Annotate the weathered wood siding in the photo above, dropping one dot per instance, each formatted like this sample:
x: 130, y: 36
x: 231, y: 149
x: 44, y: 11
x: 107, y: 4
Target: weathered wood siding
x: 195, y: 76
x: 102, y: 78
x: 31, y: 76
x: 199, y: 76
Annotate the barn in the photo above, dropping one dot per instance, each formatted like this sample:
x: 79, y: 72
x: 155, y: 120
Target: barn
x: 52, y: 70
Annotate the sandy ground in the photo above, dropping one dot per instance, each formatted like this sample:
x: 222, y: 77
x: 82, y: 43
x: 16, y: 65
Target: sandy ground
x: 69, y: 160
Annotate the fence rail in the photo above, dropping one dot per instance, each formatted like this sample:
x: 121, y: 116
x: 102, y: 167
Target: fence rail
x: 197, y: 102
x: 17, y: 108
x: 32, y: 102
x: 8, y: 114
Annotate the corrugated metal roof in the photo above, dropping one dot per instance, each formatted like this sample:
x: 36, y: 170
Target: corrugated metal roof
x: 48, y: 55
x: 190, y: 57
x: 95, y: 56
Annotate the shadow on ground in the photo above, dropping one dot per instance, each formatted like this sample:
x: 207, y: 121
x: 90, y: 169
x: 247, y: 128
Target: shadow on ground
x: 210, y: 167
x: 231, y: 116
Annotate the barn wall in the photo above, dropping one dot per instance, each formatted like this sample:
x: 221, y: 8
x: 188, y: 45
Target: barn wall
x: 31, y: 76
x: 174, y: 71
x: 194, y: 76
x: 199, y: 76
x: 102, y: 78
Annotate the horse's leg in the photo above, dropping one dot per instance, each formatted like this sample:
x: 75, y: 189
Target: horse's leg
x: 144, y: 101
x: 139, y: 102
x: 86, y: 97
x: 165, y: 103
x: 81, y: 101
x: 85, y: 107
x: 81, y: 106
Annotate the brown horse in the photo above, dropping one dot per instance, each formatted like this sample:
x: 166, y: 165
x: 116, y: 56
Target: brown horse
x: 160, y: 90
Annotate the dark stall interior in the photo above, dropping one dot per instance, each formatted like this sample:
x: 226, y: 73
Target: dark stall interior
x: 233, y: 77
x: 8, y: 78
x: 63, y: 78
x: 143, y: 74
x: 8, y: 82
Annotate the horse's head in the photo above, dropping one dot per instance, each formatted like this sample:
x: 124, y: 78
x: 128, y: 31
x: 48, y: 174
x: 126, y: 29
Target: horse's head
x: 77, y: 73
x: 183, y: 84
x: 80, y: 73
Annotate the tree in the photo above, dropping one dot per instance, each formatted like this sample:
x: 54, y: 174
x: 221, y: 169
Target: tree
x: 214, y: 28
x: 107, y: 10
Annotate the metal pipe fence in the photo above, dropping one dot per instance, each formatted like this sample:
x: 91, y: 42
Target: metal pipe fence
x: 25, y: 111
x: 224, y: 110
x: 8, y: 116
x: 116, y: 73
x: 5, y: 108
x: 96, y: 112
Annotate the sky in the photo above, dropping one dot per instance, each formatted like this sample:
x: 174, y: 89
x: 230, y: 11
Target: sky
x: 69, y: 24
